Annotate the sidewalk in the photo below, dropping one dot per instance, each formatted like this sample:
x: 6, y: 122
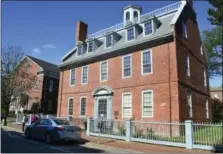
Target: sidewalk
x: 127, y: 146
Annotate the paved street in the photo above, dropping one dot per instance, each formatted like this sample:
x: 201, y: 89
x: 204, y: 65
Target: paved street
x: 15, y: 142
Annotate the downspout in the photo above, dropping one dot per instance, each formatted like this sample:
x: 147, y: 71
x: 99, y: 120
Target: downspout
x: 61, y: 88
x: 44, y: 104
x: 170, y: 100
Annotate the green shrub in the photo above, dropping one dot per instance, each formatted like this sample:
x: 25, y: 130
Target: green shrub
x: 217, y: 110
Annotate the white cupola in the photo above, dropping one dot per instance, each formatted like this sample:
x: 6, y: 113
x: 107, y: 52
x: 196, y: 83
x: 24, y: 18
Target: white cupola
x: 130, y: 12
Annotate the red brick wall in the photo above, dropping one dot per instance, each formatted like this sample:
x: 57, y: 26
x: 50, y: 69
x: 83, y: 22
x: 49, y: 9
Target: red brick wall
x: 33, y: 93
x: 195, y: 83
x: 158, y: 81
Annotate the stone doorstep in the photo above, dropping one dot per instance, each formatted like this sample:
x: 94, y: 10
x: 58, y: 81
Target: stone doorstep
x: 123, y: 145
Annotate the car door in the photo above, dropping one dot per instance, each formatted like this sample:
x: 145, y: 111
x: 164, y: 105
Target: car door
x: 36, y: 129
x: 39, y: 129
x: 45, y: 127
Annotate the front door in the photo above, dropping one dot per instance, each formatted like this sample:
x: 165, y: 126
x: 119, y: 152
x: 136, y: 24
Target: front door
x: 102, y: 108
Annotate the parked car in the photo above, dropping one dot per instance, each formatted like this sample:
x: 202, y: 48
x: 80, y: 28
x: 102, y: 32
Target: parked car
x: 52, y: 130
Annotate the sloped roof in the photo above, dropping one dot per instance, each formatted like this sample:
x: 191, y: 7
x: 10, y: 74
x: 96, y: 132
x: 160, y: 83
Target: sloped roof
x: 46, y: 66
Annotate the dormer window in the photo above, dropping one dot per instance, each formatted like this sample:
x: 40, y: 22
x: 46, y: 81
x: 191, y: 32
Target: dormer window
x: 127, y: 16
x: 90, y: 46
x: 130, y: 33
x: 148, y: 29
x: 109, y: 40
x: 80, y: 50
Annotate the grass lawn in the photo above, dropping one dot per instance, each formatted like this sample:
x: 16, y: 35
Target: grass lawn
x: 209, y: 135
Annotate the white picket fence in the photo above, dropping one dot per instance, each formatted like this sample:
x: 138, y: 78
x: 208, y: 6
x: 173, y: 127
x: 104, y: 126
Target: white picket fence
x: 208, y: 136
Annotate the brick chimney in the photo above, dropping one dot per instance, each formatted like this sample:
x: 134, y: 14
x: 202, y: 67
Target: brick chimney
x: 81, y: 31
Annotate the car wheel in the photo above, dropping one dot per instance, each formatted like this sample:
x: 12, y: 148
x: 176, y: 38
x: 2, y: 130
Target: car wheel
x: 48, y: 139
x: 27, y: 134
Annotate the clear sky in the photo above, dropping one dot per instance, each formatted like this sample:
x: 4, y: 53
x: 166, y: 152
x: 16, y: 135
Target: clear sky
x: 46, y: 30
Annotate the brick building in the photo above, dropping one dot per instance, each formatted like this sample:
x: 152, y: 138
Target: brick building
x: 45, y: 87
x: 151, y: 67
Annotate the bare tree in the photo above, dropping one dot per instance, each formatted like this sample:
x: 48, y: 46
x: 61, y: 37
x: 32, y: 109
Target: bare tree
x: 16, y: 80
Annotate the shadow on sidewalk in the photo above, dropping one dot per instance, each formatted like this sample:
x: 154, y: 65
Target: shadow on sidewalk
x: 21, y: 146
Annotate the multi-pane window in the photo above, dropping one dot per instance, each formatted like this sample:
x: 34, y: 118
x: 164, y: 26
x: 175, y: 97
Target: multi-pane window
x: 80, y: 50
x: 126, y: 104
x: 83, y: 106
x: 147, y: 103
x: 90, y: 46
x: 127, y: 60
x: 108, y: 41
x: 207, y: 109
x: 146, y: 62
x: 184, y: 29
x: 70, y: 106
x: 72, y: 76
x: 187, y: 66
x: 51, y: 86
x: 102, y: 108
x: 205, y: 79
x: 148, y: 28
x: 104, y: 71
x: 189, y: 104
x: 84, y: 74
x: 130, y: 34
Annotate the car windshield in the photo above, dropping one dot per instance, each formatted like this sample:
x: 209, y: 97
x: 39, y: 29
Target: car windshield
x: 61, y: 122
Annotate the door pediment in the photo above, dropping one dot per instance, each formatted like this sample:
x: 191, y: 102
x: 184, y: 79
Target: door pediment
x: 101, y: 91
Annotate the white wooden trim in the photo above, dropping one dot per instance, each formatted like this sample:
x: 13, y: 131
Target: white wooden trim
x: 142, y: 103
x: 126, y: 34
x: 177, y: 15
x: 151, y: 59
x: 85, y: 107
x: 122, y: 104
x: 74, y: 77
x: 68, y: 106
x: 124, y: 77
x: 82, y: 74
x: 106, y: 70
x: 152, y: 25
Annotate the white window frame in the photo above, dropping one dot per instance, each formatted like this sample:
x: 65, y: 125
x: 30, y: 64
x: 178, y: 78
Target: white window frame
x: 142, y: 101
x: 144, y: 31
x: 188, y: 65
x: 85, y: 106
x: 71, y: 85
x: 123, y: 104
x: 68, y: 106
x: 190, y: 104
x: 205, y: 78
x: 151, y: 59
x: 112, y: 40
x: 101, y: 70
x: 124, y: 77
x: 201, y: 48
x: 82, y: 72
x: 184, y: 29
x: 134, y: 32
x: 81, y: 50
x: 92, y: 46
x: 207, y: 109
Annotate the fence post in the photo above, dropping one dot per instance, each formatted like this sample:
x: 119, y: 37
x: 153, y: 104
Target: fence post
x: 88, y: 126
x: 128, y: 130
x: 189, y: 134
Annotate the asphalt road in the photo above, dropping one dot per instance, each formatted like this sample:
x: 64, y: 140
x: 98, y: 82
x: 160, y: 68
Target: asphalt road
x: 14, y: 142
